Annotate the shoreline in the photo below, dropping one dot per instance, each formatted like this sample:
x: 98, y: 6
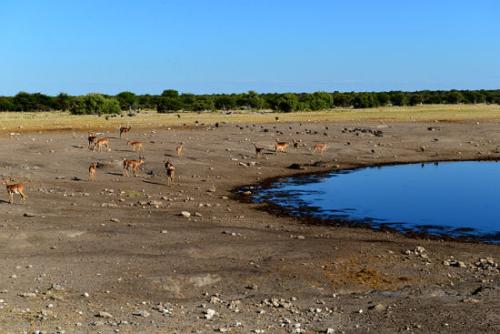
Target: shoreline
x: 309, y: 219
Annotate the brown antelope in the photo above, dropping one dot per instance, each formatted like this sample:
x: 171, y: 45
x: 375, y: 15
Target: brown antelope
x: 92, y: 138
x: 124, y: 129
x: 101, y: 143
x: 169, y: 166
x: 137, y: 146
x: 14, y: 188
x: 258, y: 150
x: 92, y: 170
x: 320, y: 148
x: 179, y: 149
x: 280, y: 146
x: 132, y: 166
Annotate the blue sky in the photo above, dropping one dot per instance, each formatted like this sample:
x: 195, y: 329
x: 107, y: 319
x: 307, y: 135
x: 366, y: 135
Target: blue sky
x: 109, y: 46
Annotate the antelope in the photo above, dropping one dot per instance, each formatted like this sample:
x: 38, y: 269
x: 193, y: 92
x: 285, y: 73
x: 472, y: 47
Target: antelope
x: 136, y: 145
x: 258, y: 150
x: 169, y: 166
x: 101, y: 143
x: 320, y: 148
x: 280, y: 147
x: 178, y: 150
x: 92, y: 170
x: 92, y: 138
x: 124, y: 129
x: 14, y: 188
x: 132, y: 165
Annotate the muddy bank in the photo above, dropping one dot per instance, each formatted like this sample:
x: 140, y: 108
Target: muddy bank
x: 117, y: 255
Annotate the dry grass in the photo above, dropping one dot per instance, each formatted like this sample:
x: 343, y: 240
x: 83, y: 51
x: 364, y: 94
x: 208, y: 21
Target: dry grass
x: 48, y: 121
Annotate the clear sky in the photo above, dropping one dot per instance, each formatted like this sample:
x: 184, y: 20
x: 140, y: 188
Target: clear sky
x: 205, y: 46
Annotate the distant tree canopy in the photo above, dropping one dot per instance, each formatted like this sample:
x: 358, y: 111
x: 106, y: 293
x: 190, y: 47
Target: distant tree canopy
x: 171, y: 100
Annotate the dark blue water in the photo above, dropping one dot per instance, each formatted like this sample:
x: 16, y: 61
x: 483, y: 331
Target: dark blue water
x: 458, y: 199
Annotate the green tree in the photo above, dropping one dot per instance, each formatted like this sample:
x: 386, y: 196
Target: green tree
x: 127, y: 100
x: 287, y: 102
x: 168, y: 104
x: 63, y: 101
x: 95, y: 104
x: 170, y: 93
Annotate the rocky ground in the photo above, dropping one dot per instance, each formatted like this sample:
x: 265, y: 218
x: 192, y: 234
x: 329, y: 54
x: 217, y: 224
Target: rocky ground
x: 134, y: 255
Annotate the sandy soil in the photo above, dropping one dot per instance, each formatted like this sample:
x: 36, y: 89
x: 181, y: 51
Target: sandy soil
x: 116, y: 255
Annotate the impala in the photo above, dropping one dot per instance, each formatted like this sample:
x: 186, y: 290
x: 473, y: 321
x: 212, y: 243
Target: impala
x: 179, y: 149
x: 132, y: 166
x: 136, y: 145
x: 92, y: 138
x: 92, y: 170
x: 101, y: 143
x: 124, y: 129
x: 169, y: 166
x: 258, y: 150
x: 14, y: 188
x: 320, y: 148
x: 280, y: 146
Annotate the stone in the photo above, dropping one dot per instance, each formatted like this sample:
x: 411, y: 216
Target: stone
x: 27, y: 295
x: 103, y: 314
x: 378, y: 308
x: 141, y: 313
x: 186, y: 214
x: 209, y: 314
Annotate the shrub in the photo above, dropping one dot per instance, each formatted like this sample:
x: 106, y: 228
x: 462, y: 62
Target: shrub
x: 95, y: 104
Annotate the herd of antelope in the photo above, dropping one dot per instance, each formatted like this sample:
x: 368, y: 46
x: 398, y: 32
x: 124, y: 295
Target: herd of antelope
x: 129, y: 165
x: 99, y: 144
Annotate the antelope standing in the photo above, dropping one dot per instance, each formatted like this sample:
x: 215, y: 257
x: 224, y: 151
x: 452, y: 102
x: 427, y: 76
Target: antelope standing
x: 280, y: 146
x: 179, y: 149
x: 136, y: 145
x: 92, y: 171
x: 92, y: 138
x: 320, y: 148
x: 132, y: 166
x: 14, y: 188
x: 258, y: 150
x: 101, y: 143
x: 169, y: 166
x: 124, y: 129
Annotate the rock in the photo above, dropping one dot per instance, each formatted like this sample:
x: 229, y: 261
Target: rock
x: 186, y: 214
x: 27, y: 214
x: 470, y: 300
x: 114, y: 220
x: 27, y: 295
x: 109, y: 205
x: 209, y: 314
x: 141, y: 313
x: 378, y: 308
x: 103, y: 314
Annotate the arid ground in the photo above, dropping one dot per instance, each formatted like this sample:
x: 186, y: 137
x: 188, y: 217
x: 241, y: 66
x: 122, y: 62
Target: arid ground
x: 116, y: 255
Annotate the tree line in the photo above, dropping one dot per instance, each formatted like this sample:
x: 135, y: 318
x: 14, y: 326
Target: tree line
x: 172, y: 101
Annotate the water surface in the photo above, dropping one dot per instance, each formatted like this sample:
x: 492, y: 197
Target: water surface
x: 459, y: 199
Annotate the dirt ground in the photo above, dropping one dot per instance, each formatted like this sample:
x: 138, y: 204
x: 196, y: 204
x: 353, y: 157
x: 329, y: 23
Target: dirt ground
x: 117, y: 256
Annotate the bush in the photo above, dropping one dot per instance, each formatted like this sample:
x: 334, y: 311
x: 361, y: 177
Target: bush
x: 95, y: 104
x: 168, y: 104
